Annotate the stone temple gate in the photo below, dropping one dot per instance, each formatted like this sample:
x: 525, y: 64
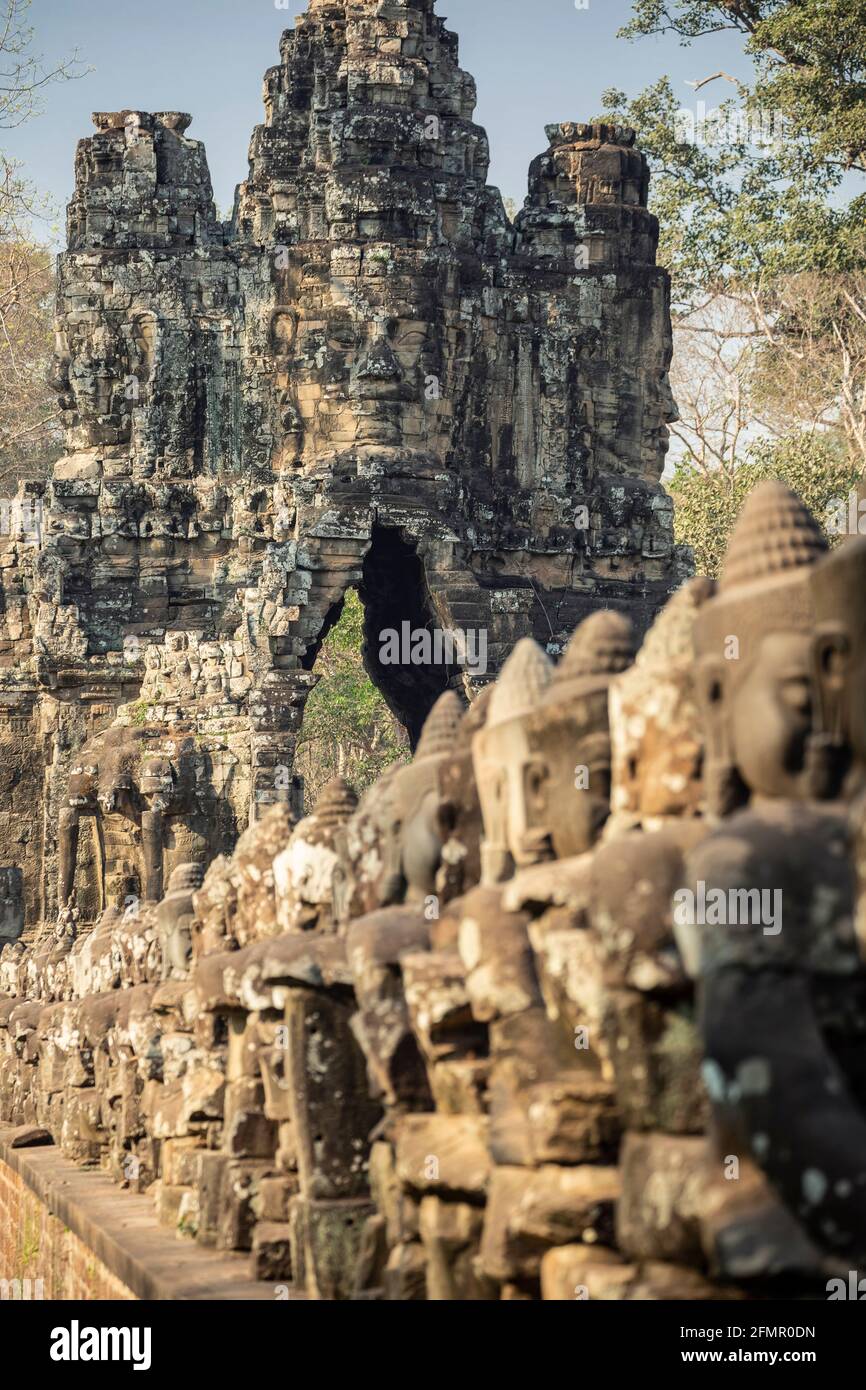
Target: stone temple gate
x: 368, y: 377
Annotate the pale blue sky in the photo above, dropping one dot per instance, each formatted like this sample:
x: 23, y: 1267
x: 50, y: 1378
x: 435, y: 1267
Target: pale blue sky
x: 535, y: 61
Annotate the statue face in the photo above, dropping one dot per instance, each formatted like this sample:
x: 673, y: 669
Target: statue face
x: 304, y: 877
x: 412, y: 841
x: 96, y: 371
x: 369, y: 372
x: 157, y: 779
x: 512, y: 790
x: 772, y: 716
x: 840, y: 645
x: 459, y: 821
x: 544, y: 783
x: 577, y: 793
x: 856, y: 705
x: 365, y: 850
x: 659, y: 760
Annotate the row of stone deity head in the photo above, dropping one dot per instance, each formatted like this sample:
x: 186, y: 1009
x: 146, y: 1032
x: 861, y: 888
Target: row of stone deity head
x: 747, y: 690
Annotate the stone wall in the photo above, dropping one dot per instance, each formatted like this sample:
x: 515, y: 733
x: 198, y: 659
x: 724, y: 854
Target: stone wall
x: 47, y: 1260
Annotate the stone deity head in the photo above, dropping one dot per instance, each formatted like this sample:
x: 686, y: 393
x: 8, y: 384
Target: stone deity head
x: 175, y: 917
x: 655, y: 724
x: 838, y: 589
x: 305, y: 872
x: 754, y: 647
x: 567, y: 779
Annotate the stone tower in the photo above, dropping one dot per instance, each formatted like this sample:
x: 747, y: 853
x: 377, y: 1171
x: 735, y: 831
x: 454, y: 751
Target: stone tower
x: 369, y: 377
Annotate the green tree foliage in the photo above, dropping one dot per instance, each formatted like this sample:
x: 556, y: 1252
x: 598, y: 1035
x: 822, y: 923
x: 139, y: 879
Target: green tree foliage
x: 30, y: 438
x: 348, y: 730
x: 763, y: 227
x: 29, y: 433
x: 815, y: 466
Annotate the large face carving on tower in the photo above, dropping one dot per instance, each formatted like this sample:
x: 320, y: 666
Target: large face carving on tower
x: 364, y: 371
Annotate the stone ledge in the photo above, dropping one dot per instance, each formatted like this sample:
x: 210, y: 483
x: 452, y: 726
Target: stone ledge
x: 121, y: 1230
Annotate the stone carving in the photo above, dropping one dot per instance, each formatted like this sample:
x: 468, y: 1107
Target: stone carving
x: 174, y: 917
x: 340, y: 387
x: 306, y: 873
x: 460, y: 1039
x: 779, y: 942
x: 11, y: 905
x: 385, y: 1078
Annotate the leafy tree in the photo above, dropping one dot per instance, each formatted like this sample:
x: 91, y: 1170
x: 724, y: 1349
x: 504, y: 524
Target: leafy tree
x: 763, y: 227
x: 708, y: 504
x: 809, y: 58
x: 348, y: 730
x: 29, y: 434
x: 29, y: 417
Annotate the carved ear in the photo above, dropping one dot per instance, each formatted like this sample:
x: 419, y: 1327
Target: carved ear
x: 446, y: 817
x: 724, y: 789
x: 535, y: 779
x: 832, y: 662
x: 710, y: 689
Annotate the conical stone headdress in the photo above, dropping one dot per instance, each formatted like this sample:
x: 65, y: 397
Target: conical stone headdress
x: 521, y: 687
x: 765, y: 583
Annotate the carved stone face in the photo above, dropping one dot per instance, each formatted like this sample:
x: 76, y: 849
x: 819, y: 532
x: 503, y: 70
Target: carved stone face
x: 306, y: 873
x: 303, y: 875
x: 359, y: 373
x: 772, y: 715
x: 391, y: 848
x: 509, y: 774
x: 840, y: 645
x: 656, y: 729
x: 175, y: 915
x: 96, y: 373
x: 459, y: 812
x: 412, y: 840
x: 544, y: 759
x: 764, y: 720
x: 157, y: 781
x: 569, y: 798
x: 361, y: 852
x: 755, y: 646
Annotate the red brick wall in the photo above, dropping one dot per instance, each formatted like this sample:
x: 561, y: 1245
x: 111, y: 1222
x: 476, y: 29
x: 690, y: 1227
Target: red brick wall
x: 34, y: 1245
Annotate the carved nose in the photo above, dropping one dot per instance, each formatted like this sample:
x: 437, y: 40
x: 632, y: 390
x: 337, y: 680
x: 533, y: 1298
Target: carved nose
x: 379, y: 363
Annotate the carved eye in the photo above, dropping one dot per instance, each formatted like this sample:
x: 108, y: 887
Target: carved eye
x: 410, y: 340
x: 341, y: 339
